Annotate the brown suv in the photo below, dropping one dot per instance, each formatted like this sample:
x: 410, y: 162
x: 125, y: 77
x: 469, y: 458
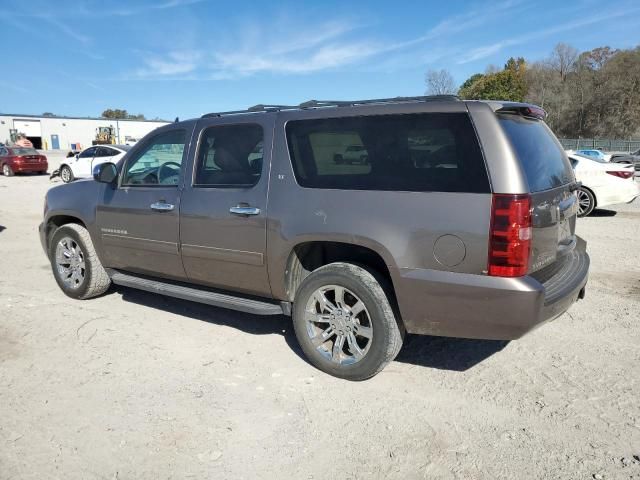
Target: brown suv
x: 459, y: 223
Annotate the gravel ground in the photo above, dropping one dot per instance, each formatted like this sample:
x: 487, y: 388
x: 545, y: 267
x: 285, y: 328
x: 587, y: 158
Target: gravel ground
x: 132, y: 385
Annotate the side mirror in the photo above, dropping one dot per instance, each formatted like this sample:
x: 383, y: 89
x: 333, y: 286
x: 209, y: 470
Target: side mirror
x: 77, y: 156
x: 105, y: 173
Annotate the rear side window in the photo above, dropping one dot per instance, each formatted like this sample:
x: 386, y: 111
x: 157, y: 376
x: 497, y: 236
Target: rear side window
x: 423, y: 152
x: 230, y: 156
x: 544, y: 162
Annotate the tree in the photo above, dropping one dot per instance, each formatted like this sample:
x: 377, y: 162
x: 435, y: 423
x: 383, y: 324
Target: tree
x: 469, y: 81
x: 48, y: 114
x: 114, y: 113
x: 507, y: 84
x: 563, y: 59
x: 121, y: 114
x: 440, y: 82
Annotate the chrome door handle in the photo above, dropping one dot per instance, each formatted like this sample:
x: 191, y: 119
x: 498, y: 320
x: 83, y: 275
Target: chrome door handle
x: 162, y: 207
x: 244, y: 210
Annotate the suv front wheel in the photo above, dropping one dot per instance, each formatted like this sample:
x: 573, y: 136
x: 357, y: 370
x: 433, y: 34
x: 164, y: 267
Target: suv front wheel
x: 75, y: 264
x: 344, y: 321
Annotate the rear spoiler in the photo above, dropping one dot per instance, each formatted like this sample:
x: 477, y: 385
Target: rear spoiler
x: 530, y: 111
x: 519, y: 108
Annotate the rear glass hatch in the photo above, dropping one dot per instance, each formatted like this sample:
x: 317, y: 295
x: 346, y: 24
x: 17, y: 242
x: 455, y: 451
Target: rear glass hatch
x: 551, y: 186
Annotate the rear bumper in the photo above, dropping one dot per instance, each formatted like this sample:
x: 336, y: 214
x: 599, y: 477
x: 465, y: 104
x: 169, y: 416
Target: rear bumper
x: 622, y: 194
x: 478, y: 306
x: 30, y: 167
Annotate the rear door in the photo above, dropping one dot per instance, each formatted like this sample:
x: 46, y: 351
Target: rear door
x: 223, y: 210
x: 551, y: 183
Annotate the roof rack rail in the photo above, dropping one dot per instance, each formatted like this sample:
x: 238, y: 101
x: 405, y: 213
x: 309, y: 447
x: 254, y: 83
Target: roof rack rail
x: 256, y: 108
x: 271, y: 108
x: 349, y: 103
x: 331, y: 103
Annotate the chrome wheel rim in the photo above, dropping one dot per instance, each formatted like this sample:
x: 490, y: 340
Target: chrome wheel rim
x: 70, y: 263
x: 338, y: 325
x: 5, y: 170
x: 583, y: 202
x: 65, y: 174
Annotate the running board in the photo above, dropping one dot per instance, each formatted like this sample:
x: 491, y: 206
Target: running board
x: 222, y: 300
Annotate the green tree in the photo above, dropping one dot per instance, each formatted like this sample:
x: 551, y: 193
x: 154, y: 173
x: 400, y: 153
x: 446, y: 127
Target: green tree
x: 507, y: 84
x: 469, y: 81
x: 114, y: 113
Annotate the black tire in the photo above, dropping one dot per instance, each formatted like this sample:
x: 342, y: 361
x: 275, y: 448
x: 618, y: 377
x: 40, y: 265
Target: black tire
x: 66, y: 174
x: 95, y: 281
x: 7, y: 171
x: 586, y: 202
x: 372, y: 290
x: 337, y: 159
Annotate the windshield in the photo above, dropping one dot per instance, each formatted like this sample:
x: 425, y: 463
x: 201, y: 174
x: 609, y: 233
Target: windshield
x: 544, y: 162
x: 25, y: 151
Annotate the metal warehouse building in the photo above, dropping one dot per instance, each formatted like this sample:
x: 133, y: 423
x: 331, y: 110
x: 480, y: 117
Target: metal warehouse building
x: 70, y: 133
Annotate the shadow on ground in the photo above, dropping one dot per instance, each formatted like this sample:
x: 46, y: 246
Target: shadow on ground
x: 455, y: 354
x: 2, y: 228
x: 245, y: 322
x: 601, y: 212
x: 444, y: 353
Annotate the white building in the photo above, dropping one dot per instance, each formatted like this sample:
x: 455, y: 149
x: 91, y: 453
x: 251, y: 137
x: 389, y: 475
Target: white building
x: 70, y: 133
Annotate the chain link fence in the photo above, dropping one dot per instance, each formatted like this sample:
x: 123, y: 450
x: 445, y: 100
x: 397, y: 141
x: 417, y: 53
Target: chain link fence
x: 606, y: 145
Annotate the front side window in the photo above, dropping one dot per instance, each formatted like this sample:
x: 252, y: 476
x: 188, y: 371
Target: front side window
x: 159, y: 162
x: 411, y: 152
x: 229, y: 156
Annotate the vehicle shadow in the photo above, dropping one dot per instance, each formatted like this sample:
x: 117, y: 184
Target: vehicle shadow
x: 601, y: 212
x: 443, y: 353
x: 245, y: 322
x: 2, y: 228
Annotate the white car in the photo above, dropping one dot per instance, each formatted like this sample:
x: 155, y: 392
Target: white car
x: 603, y: 184
x: 82, y: 165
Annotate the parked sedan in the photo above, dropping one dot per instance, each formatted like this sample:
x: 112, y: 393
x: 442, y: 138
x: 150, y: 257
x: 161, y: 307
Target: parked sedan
x: 632, y: 158
x: 594, y: 154
x: 82, y: 165
x: 603, y: 184
x: 21, y: 160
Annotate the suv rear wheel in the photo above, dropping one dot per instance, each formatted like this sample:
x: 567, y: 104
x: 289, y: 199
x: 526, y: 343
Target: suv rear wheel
x: 75, y: 264
x: 344, y: 321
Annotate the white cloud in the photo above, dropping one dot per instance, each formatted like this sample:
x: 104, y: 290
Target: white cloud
x: 174, y: 63
x: 487, y: 50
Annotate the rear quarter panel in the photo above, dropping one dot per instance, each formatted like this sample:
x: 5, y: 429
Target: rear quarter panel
x: 402, y: 227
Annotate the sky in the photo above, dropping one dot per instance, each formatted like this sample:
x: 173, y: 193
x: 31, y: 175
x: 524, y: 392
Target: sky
x: 168, y: 58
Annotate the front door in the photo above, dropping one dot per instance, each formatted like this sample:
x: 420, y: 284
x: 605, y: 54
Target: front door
x: 223, y: 206
x: 138, y: 220
x: 82, y: 166
x: 55, y: 142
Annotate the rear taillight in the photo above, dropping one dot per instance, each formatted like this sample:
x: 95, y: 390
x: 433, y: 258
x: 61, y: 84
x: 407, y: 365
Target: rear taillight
x: 510, y: 235
x: 620, y: 174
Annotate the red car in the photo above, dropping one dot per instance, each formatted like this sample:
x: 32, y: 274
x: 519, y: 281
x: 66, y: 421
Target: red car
x: 21, y: 160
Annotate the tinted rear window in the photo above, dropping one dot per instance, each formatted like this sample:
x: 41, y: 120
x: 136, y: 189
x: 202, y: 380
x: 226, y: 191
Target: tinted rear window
x: 545, y: 163
x: 414, y: 152
x: 25, y: 151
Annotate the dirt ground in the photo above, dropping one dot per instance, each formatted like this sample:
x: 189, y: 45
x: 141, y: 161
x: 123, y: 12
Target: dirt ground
x: 137, y: 386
